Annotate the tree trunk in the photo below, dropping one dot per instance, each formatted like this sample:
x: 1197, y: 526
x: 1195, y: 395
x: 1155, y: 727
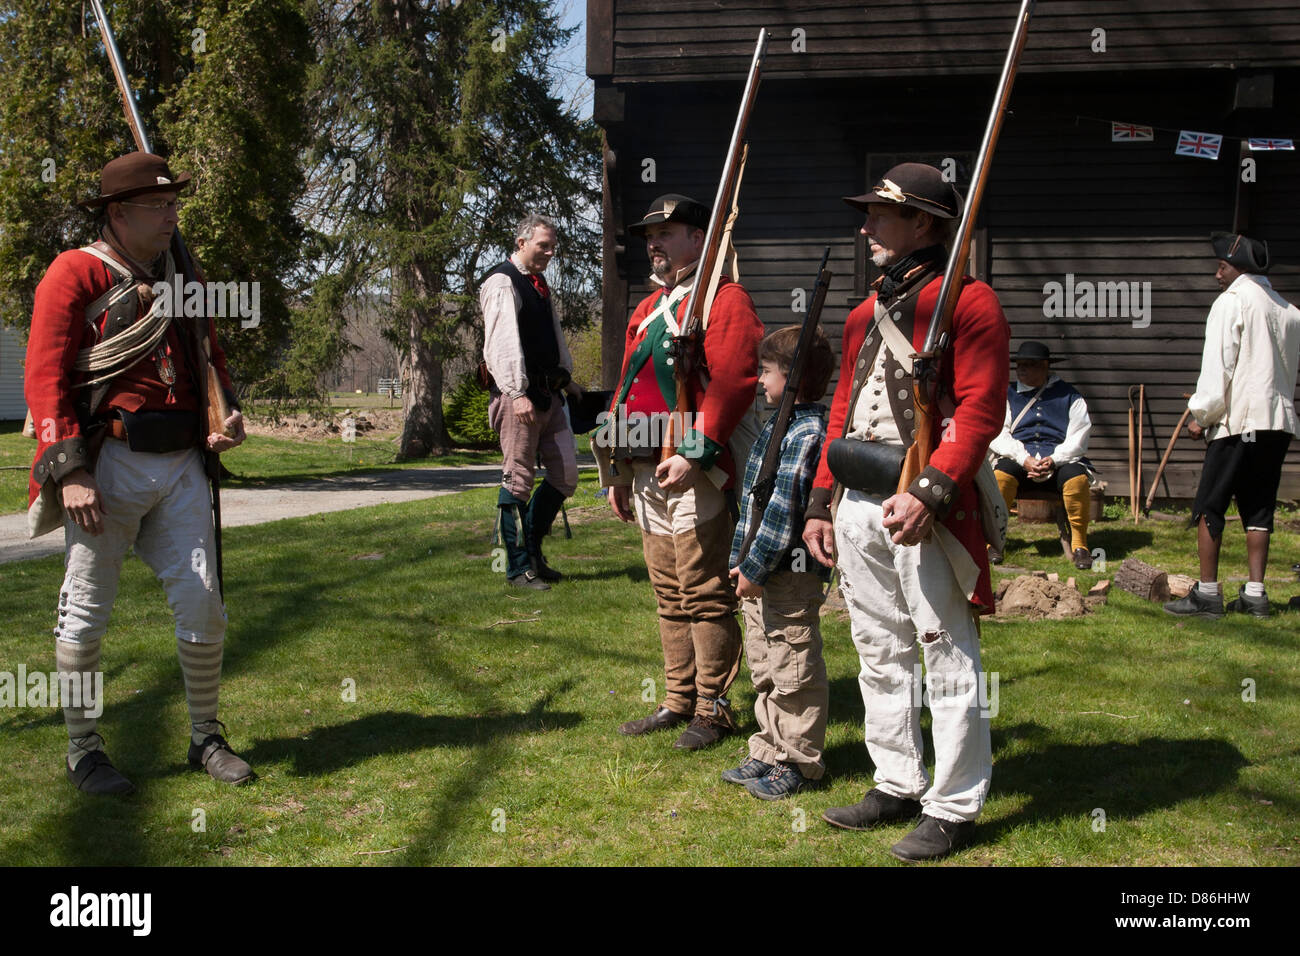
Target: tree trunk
x: 423, y: 433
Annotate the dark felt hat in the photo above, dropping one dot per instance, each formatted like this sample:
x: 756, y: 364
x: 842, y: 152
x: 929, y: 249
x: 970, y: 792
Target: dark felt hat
x: 133, y: 175
x: 673, y: 207
x: 1032, y: 352
x: 913, y: 184
x: 1246, y: 254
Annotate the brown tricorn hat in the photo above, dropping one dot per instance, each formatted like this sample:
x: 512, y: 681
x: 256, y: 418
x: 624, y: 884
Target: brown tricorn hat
x: 1242, y: 252
x: 133, y: 175
x: 913, y: 184
x: 673, y: 207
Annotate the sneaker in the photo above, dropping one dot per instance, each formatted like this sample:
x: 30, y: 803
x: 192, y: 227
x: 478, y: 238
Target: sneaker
x: 704, y: 731
x: 875, y: 808
x: 215, y: 756
x: 96, y: 774
x: 751, y: 769
x: 1196, y: 604
x: 780, y: 783
x: 661, y: 719
x: 1082, y: 559
x: 1246, y: 604
x: 933, y: 839
x: 530, y: 580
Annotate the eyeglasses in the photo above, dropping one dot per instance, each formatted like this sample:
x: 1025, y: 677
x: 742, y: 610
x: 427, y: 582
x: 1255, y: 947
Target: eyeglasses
x: 156, y: 206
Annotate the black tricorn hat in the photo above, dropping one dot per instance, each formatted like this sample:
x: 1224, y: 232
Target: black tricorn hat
x: 673, y: 207
x: 913, y: 184
x: 133, y: 175
x: 1246, y: 254
x: 1032, y: 352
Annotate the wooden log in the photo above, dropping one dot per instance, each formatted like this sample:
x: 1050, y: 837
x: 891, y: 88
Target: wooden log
x: 1180, y: 584
x: 1034, y: 511
x: 1100, y: 589
x: 1139, y: 578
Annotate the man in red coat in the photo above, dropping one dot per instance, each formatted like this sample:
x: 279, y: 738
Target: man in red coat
x: 913, y: 566
x: 682, y: 503
x: 117, y: 390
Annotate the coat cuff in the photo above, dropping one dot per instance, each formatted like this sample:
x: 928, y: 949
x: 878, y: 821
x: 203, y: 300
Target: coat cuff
x: 700, y: 448
x: 819, y: 505
x: 935, y: 490
x: 60, y: 460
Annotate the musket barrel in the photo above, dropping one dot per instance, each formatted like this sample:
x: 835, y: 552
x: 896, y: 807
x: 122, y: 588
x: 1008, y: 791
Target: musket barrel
x: 119, y: 71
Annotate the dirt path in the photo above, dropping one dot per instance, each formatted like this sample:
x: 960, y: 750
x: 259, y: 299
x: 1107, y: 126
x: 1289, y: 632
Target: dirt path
x: 242, y: 506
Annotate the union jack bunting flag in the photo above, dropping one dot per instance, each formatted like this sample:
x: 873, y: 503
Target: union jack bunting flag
x: 1130, y: 133
x: 1263, y: 144
x: 1203, y: 145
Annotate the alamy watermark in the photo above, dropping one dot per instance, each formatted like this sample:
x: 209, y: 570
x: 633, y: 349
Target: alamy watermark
x: 75, y: 689
x: 956, y: 691
x: 624, y: 429
x: 1084, y: 299
x: 217, y: 300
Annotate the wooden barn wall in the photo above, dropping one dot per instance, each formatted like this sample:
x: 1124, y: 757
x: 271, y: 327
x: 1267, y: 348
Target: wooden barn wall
x: 644, y: 41
x: 1063, y: 201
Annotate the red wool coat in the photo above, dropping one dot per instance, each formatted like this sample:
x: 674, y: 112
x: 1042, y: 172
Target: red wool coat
x: 973, y: 376
x: 731, y: 362
x: 59, y: 330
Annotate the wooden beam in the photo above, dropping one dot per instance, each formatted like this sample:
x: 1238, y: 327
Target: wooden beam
x: 600, y: 38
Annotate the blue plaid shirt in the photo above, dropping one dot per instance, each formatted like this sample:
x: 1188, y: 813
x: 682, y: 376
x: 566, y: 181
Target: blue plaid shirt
x: 782, y: 527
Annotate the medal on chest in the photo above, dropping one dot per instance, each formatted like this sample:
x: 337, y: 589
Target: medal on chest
x: 162, y: 360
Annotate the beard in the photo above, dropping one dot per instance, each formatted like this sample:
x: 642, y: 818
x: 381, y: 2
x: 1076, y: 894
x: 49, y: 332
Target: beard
x: 661, y: 267
x: 880, y: 259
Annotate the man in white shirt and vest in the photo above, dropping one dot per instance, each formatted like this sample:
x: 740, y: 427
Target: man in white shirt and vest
x: 1244, y: 407
x: 1045, y: 438
x: 530, y: 367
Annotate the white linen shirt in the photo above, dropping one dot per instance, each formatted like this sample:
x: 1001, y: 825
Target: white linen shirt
x: 1072, y: 449
x: 1248, y: 368
x: 504, y: 355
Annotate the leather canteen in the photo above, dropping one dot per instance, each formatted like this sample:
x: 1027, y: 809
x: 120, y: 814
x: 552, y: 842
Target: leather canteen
x: 871, y: 467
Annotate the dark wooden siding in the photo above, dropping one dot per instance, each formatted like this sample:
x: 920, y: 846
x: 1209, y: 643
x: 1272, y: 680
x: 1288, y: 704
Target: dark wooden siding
x: 1063, y: 200
x: 643, y: 41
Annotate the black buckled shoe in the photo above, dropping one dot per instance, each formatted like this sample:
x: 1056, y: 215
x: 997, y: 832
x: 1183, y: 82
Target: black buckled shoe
x: 1196, y: 604
x: 875, y: 808
x: 1247, y: 604
x: 215, y: 756
x: 933, y: 839
x: 661, y: 719
x: 1082, y: 559
x: 96, y: 774
x: 529, y: 579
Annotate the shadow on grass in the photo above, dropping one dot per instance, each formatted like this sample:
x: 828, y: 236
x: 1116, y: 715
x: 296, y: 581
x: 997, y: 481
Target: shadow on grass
x: 327, y: 749
x: 1071, y: 780
x: 433, y: 477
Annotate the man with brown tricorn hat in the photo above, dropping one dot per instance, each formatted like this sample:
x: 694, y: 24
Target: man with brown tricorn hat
x: 1244, y: 406
x: 914, y: 565
x: 117, y: 388
x: 683, y: 504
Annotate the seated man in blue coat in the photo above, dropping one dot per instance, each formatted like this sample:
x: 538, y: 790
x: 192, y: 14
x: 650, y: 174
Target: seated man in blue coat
x: 1044, y: 439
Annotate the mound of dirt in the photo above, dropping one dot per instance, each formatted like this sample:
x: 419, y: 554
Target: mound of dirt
x: 1037, y: 598
x: 312, y: 426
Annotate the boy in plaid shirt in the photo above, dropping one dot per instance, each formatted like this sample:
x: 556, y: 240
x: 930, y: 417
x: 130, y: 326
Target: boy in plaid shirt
x: 781, y: 589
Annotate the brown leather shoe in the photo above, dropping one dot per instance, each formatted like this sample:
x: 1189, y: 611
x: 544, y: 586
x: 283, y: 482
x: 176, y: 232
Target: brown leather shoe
x: 704, y: 731
x: 661, y: 719
x: 95, y: 773
x: 215, y: 756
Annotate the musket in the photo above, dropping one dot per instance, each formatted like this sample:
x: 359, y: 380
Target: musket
x: 686, y: 346
x: 215, y: 408
x: 925, y: 368
x: 765, y: 482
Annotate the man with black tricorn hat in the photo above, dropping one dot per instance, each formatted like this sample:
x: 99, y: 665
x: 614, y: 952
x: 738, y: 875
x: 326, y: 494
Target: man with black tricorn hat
x: 914, y: 566
x: 1045, y: 438
x: 1244, y: 406
x: 682, y: 503
x: 117, y: 388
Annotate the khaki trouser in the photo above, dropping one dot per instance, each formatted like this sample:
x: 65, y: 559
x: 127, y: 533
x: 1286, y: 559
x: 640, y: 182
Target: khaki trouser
x: 783, y: 643
x: 549, y: 437
x: 686, y: 537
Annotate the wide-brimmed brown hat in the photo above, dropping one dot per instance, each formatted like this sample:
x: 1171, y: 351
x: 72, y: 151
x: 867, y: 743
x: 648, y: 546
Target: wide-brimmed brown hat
x: 913, y: 184
x: 673, y: 207
x: 133, y: 175
x: 1243, y: 252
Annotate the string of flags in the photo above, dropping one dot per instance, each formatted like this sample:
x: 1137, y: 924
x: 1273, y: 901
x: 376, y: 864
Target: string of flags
x: 1193, y: 143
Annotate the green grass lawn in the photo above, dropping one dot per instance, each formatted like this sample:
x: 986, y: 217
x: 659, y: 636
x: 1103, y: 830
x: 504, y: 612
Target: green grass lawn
x: 483, y: 726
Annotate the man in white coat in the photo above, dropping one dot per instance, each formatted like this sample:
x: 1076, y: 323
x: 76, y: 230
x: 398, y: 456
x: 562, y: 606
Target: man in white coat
x: 1244, y: 406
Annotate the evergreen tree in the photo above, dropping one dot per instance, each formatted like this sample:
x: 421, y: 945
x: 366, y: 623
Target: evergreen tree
x: 437, y: 132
